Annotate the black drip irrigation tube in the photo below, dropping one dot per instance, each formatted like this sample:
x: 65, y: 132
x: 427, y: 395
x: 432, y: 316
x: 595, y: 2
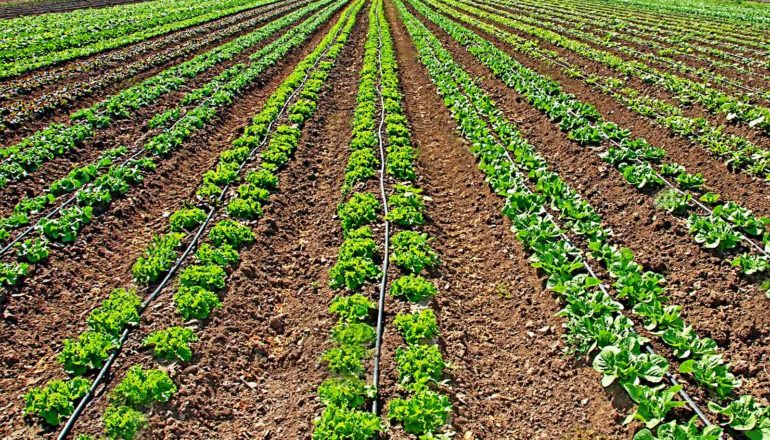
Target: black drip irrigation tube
x: 188, y: 250
x: 386, y: 258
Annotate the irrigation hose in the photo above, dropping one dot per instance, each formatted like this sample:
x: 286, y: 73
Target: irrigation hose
x: 386, y: 257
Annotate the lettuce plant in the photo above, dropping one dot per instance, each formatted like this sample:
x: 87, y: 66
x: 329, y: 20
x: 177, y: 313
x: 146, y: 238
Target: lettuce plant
x: 418, y: 327
x: 87, y: 353
x: 54, y: 402
x: 412, y: 252
x: 358, y: 211
x: 224, y: 255
x: 423, y: 413
x: 349, y: 392
x: 341, y: 423
x: 418, y: 365
x: 629, y: 365
x: 172, y: 343
x: 140, y: 388
x: 209, y: 276
x: 653, y: 403
x: 32, y: 250
x: 187, y: 219
x: 231, y: 232
x: 353, y: 308
x: 195, y: 302
x: 414, y: 288
x: 120, y: 309
x: 712, y: 372
x: 347, y: 333
x: 123, y: 422
x: 746, y: 416
x: 676, y: 431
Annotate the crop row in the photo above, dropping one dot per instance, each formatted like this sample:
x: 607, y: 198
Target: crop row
x: 419, y: 365
x: 724, y: 227
x: 96, y: 192
x: 346, y: 393
x: 20, y: 111
x: 196, y: 296
x: 595, y: 324
x: 43, y: 40
x: 57, y: 139
x: 424, y: 410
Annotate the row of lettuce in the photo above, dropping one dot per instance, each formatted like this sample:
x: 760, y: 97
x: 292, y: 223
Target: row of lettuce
x: 725, y: 226
x: 91, y: 188
x: 596, y: 325
x: 202, y: 281
x: 421, y: 410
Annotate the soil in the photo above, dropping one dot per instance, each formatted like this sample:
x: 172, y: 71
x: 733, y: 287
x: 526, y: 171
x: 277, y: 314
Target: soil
x: 256, y: 365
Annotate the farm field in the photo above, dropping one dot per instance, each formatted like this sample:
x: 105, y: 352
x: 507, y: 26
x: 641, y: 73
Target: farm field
x: 385, y: 219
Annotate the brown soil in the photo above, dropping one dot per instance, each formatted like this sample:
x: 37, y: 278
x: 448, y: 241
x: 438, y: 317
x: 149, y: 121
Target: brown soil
x: 508, y: 376
x: 55, y: 299
x: 715, y: 300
